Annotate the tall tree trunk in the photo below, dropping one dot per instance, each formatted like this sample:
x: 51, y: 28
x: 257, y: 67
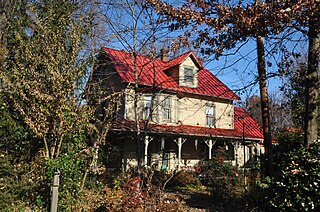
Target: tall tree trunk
x: 264, y: 106
x: 312, y: 80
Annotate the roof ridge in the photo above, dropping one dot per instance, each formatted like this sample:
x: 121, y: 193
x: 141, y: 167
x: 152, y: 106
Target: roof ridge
x: 120, y: 50
x: 190, y: 51
x: 138, y: 54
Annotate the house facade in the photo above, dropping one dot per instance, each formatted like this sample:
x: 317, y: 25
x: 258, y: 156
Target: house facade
x: 173, y: 114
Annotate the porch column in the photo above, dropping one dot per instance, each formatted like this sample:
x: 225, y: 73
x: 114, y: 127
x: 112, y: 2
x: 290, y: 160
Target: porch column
x: 146, y: 143
x: 162, y: 148
x: 257, y: 146
x: 210, y: 144
x: 258, y: 149
x: 179, y: 152
x: 162, y: 143
x: 179, y: 143
x: 236, y: 147
x: 210, y: 149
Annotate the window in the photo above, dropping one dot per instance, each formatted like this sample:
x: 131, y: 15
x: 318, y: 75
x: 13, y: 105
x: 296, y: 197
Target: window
x: 147, y: 107
x: 166, y: 108
x: 210, y: 120
x: 188, y: 75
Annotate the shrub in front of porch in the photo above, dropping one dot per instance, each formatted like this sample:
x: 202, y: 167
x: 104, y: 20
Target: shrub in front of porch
x: 184, y: 179
x: 129, y: 192
x: 220, y: 176
x: 126, y: 197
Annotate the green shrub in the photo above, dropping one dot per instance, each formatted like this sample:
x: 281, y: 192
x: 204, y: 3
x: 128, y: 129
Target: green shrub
x: 21, y: 177
x: 296, y: 184
x: 184, y: 179
x: 219, y: 175
x: 222, y: 179
x: 72, y: 164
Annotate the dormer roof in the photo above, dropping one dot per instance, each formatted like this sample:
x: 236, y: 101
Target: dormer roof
x: 152, y: 72
x: 179, y: 60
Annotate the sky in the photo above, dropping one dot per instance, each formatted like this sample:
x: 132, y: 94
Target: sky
x: 240, y: 70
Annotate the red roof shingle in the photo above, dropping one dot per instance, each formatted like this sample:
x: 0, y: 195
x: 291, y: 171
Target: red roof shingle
x: 152, y: 72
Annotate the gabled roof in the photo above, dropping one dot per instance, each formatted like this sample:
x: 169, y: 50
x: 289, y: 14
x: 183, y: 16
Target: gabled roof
x: 153, y: 72
x: 178, y: 60
x: 251, y: 128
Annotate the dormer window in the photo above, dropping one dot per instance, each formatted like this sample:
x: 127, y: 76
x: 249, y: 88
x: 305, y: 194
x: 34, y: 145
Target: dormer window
x: 188, y: 75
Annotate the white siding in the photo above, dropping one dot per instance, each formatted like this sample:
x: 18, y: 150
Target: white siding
x: 189, y: 111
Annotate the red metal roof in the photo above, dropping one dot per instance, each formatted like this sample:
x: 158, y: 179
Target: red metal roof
x: 251, y: 128
x: 242, y: 119
x: 152, y: 72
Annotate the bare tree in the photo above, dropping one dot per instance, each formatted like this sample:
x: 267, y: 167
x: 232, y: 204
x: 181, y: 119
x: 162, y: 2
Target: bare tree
x: 133, y: 27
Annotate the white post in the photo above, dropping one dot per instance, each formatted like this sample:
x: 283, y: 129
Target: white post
x: 179, y: 143
x: 196, y: 144
x: 162, y: 146
x: 236, y: 151
x: 146, y: 143
x: 54, y: 190
x: 179, y: 152
x: 210, y: 149
x: 236, y: 147
x: 162, y: 143
x: 258, y: 149
x: 210, y: 144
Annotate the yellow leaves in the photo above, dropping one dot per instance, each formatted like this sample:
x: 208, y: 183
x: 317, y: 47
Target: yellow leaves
x: 3, y: 53
x: 42, y: 75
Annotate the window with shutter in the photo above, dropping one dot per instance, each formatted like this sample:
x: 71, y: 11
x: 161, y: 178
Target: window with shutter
x: 166, y: 108
x: 210, y: 117
x: 147, y: 107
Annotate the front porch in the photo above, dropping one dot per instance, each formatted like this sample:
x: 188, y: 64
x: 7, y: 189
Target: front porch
x: 182, y: 152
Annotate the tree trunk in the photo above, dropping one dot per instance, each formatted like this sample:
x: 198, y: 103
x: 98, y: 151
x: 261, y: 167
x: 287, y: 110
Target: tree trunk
x: 311, y: 109
x: 264, y: 106
x: 136, y: 112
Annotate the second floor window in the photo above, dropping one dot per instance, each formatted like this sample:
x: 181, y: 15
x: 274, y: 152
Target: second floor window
x: 210, y: 119
x: 166, y: 108
x: 147, y: 107
x: 188, y: 75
